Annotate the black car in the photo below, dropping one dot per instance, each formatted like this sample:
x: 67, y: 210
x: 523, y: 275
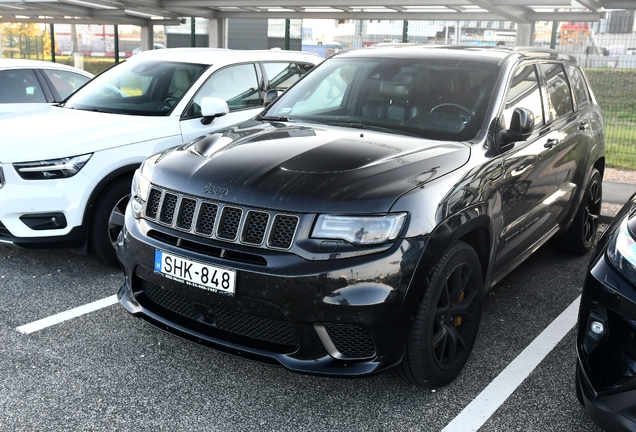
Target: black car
x: 606, y: 340
x: 355, y: 225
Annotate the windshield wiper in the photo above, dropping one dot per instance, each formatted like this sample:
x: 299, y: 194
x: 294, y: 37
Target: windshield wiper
x: 358, y: 125
x: 275, y: 118
x: 99, y: 110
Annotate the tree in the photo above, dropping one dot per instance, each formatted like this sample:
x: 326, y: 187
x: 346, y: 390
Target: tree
x: 25, y: 35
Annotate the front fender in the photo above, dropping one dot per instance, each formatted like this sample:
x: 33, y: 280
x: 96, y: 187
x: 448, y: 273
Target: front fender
x: 473, y: 226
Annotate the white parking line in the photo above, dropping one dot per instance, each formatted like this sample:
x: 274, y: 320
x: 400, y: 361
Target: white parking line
x: 475, y: 414
x: 67, y: 315
x: 492, y: 397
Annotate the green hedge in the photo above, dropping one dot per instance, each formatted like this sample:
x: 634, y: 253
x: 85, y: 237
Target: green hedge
x: 615, y: 90
x: 94, y: 65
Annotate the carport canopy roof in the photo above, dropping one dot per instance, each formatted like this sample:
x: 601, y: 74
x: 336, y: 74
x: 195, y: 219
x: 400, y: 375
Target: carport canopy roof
x: 171, y: 12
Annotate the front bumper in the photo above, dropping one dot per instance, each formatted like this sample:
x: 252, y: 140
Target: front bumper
x: 75, y: 238
x: 607, y: 361
x: 43, y: 213
x: 334, y: 317
x: 606, y: 411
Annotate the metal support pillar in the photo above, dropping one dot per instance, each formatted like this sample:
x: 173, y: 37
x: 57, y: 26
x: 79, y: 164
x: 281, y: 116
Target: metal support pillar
x: 147, y: 38
x: 287, y: 33
x: 458, y: 33
x: 405, y: 31
x: 193, y: 32
x: 52, y: 35
x: 525, y: 34
x: 116, y: 34
x: 217, y: 33
x: 555, y: 29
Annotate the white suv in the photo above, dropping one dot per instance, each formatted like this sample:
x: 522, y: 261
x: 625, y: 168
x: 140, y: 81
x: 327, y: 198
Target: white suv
x: 65, y: 170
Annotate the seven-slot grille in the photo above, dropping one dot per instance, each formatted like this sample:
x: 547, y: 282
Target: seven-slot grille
x: 223, y: 222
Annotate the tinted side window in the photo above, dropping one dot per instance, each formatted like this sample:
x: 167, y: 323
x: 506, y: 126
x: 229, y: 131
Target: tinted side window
x: 559, y: 97
x: 579, y: 87
x: 524, y: 92
x: 65, y: 82
x: 237, y: 85
x: 20, y: 86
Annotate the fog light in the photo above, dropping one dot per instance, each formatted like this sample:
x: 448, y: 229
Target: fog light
x: 138, y: 206
x: 44, y: 221
x: 597, y: 327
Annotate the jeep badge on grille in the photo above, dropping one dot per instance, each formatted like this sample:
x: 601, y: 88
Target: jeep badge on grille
x: 213, y: 190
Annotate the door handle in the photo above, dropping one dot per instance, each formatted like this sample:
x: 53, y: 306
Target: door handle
x: 551, y: 143
x: 584, y: 125
x: 519, y: 170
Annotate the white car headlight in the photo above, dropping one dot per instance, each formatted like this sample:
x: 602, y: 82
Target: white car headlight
x: 139, y: 193
x: 621, y: 251
x: 52, y: 168
x: 359, y: 230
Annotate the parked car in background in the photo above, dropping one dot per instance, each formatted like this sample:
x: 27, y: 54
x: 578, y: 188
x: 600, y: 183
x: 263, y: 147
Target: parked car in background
x: 65, y: 170
x: 356, y: 223
x: 606, y: 340
x: 31, y: 84
x: 154, y: 46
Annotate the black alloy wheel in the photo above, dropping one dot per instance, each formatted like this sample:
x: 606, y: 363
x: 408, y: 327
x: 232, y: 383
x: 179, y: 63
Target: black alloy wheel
x: 446, y: 325
x: 592, y: 210
x: 581, y: 235
x: 453, y: 307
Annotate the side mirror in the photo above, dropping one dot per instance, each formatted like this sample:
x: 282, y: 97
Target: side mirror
x: 521, y: 127
x: 270, y: 96
x: 212, y: 108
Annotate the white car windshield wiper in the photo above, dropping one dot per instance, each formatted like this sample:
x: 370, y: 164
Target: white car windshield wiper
x: 275, y: 118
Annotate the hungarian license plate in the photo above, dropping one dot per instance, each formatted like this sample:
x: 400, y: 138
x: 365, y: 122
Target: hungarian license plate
x: 195, y: 273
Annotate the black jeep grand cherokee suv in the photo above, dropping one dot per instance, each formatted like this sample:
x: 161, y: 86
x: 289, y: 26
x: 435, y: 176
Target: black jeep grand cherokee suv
x: 355, y: 225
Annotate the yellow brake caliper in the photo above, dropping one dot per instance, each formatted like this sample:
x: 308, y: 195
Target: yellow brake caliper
x: 457, y: 321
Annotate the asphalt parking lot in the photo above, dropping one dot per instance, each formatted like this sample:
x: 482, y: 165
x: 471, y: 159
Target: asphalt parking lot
x: 105, y: 370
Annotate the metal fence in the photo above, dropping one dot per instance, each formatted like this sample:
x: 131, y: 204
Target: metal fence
x: 21, y: 46
x: 606, y: 49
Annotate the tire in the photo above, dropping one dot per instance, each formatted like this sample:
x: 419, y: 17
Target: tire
x: 581, y: 235
x: 446, y: 325
x: 107, y: 220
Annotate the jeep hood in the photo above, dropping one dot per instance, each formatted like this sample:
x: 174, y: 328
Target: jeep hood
x: 305, y: 168
x: 52, y: 132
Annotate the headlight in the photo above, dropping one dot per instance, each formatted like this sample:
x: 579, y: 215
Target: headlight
x: 1, y: 177
x: 52, y: 168
x: 621, y: 251
x: 359, y: 230
x: 139, y: 192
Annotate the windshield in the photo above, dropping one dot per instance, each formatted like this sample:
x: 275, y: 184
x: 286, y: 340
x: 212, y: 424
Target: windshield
x: 146, y: 88
x: 430, y: 98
